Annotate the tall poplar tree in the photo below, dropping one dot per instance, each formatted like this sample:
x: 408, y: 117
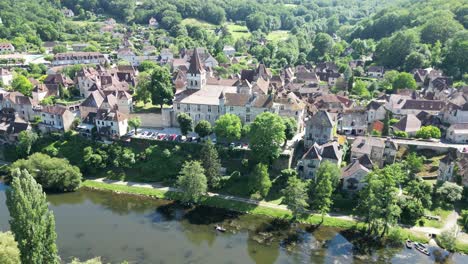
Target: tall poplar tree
x: 31, y: 221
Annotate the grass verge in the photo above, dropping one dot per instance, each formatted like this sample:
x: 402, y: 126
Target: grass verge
x: 223, y: 203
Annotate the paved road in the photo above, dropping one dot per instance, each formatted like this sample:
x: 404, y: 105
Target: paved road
x: 429, y: 144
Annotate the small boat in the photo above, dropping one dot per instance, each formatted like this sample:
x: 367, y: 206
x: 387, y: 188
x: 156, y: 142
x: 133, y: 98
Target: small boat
x: 421, y: 248
x: 220, y: 228
x: 409, y: 244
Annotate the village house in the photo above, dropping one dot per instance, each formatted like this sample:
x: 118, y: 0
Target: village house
x: 11, y: 124
x: 128, y: 55
x: 458, y: 133
x: 153, y: 22
x: 111, y: 123
x: 6, y: 47
x: 6, y: 77
x: 409, y: 124
x: 79, y: 46
x: 72, y: 58
x: 353, y: 122
x: 166, y: 55
x: 380, y: 151
x: 54, y: 118
x: 229, y: 51
x: 404, y: 107
x: 375, y: 71
x: 23, y: 105
x: 317, y: 154
x: 68, y: 12
x: 375, y: 111
x: 454, y: 167
x: 205, y: 57
x: 319, y: 129
x: 353, y: 175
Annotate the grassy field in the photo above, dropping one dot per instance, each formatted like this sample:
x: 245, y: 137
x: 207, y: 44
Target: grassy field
x: 278, y: 35
x: 238, y: 31
x: 437, y: 212
x: 198, y: 22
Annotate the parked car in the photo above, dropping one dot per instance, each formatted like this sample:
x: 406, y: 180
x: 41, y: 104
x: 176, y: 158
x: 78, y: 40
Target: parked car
x: 150, y: 134
x: 144, y: 134
x: 161, y: 136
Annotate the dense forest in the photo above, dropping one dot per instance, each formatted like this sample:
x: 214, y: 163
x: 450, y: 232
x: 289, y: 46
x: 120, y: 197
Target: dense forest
x: 400, y: 34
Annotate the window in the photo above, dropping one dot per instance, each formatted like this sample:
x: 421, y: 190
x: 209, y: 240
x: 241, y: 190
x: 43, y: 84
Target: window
x: 188, y: 107
x: 282, y: 107
x: 208, y: 117
x: 209, y: 109
x: 198, y: 108
x: 191, y: 83
x: 112, y: 123
x: 196, y: 82
x: 178, y: 106
x: 247, y: 110
x: 247, y: 118
x: 231, y: 108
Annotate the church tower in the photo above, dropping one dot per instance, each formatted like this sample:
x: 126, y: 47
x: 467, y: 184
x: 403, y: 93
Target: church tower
x: 196, y: 74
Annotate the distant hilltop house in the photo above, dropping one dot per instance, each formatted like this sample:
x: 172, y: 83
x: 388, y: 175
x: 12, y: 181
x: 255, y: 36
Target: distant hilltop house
x: 72, y: 58
x: 229, y: 51
x: 6, y: 47
x: 153, y: 22
x: 79, y: 46
x: 375, y: 71
x: 68, y: 12
x: 5, y: 77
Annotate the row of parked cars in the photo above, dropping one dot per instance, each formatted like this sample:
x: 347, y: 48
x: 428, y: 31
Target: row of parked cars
x: 162, y: 136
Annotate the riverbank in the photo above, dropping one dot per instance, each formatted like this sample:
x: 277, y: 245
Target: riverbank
x: 241, y: 205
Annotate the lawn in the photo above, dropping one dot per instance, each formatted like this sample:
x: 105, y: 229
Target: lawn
x: 238, y: 31
x: 141, y: 107
x: 436, y: 212
x: 430, y: 167
x: 278, y: 35
x: 198, y: 22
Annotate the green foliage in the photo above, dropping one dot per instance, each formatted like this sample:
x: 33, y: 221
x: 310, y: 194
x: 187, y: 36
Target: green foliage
x: 295, y: 196
x: 185, y: 123
x: 31, y: 221
x: 378, y: 200
x: 9, y: 253
x: 404, y: 80
x: 418, y: 197
x: 89, y: 261
x: 135, y: 122
x: 322, y: 187
x: 21, y: 84
x: 147, y: 66
x: 192, y: 181
x: 414, y: 163
x: 228, y: 127
x: 400, y: 134
x: 449, y: 193
x: 428, y: 132
x: 259, y: 180
x: 447, y: 239
x: 454, y: 62
x: 160, y: 86
x: 464, y: 219
x: 211, y: 164
x: 59, y: 49
x: 291, y: 127
x: 266, y: 136
x: 203, y: 128
x: 360, y: 89
x: 53, y: 174
x: 25, y: 141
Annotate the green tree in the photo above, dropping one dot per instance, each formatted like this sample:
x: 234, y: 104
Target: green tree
x: 414, y: 163
x: 291, y: 127
x: 54, y: 174
x: 59, y: 49
x: 203, y: 128
x: 9, y: 253
x: 464, y: 219
x: 266, y: 136
x: 378, y: 200
x: 404, y: 80
x: 192, y: 181
x: 360, y: 89
x: 447, y: 239
x: 228, y: 127
x: 21, y: 84
x: 25, y: 141
x: 185, y: 123
x: 454, y: 62
x: 160, y: 86
x: 146, y: 66
x: 295, y: 196
x: 211, y: 163
x: 449, y: 193
x: 428, y: 132
x: 135, y: 122
x: 31, y: 221
x: 259, y: 181
x: 322, y: 187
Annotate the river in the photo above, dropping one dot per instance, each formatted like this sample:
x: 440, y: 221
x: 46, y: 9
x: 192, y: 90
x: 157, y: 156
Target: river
x: 120, y: 227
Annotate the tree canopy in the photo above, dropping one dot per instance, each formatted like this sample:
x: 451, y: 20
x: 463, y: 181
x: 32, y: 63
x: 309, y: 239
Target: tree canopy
x: 267, y: 134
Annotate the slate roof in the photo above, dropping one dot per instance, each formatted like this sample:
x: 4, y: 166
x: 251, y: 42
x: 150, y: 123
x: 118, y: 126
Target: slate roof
x: 430, y: 105
x: 196, y: 66
x: 409, y: 123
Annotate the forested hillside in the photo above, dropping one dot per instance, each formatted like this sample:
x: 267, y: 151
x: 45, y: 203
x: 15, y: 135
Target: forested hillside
x: 400, y: 34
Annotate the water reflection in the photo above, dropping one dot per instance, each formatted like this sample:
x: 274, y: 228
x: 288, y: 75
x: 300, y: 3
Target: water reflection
x: 121, y: 227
